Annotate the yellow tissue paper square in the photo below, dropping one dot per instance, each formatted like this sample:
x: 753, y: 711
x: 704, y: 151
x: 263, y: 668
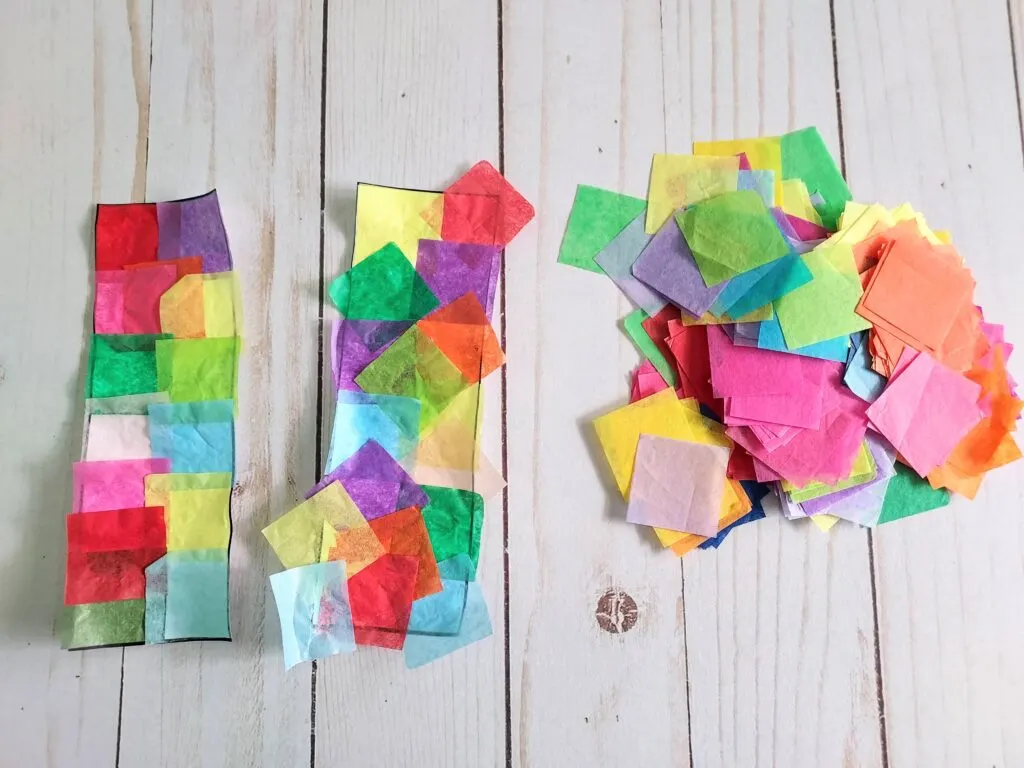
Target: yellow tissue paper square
x: 219, y: 305
x: 824, y: 522
x: 680, y: 180
x: 297, y: 537
x: 198, y: 519
x: 798, y: 201
x: 663, y: 415
x: 763, y: 154
x: 392, y: 215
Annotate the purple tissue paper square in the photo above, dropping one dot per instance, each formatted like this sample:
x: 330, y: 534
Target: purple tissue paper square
x: 376, y: 482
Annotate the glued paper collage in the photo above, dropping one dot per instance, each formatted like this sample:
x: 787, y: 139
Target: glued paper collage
x: 150, y: 520
x: 384, y: 549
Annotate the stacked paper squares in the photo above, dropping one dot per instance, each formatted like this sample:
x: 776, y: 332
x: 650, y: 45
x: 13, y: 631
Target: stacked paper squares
x: 384, y: 549
x: 150, y: 520
x: 795, y: 343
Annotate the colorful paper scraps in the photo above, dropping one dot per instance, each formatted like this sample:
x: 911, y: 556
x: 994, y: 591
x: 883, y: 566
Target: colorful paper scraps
x: 384, y: 549
x: 150, y: 520
x: 794, y: 343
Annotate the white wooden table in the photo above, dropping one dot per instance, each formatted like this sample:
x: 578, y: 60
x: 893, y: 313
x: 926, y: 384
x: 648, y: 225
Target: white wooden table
x: 786, y: 647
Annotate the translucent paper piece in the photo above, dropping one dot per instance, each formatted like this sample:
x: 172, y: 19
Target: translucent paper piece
x: 668, y: 268
x: 195, y: 437
x: 677, y: 485
x: 194, y: 227
x: 909, y: 495
x: 761, y: 286
x: 597, y: 216
x: 381, y: 596
x: 197, y: 595
x: 836, y: 286
x: 440, y: 615
x: 617, y: 260
x: 104, y: 485
x: 389, y: 215
x: 357, y: 343
x: 925, y: 410
x: 462, y: 332
x: 805, y: 157
x: 762, y: 154
x: 422, y: 648
x: 314, y: 610
x: 454, y: 520
x: 97, y: 624
x: 116, y: 437
x: 483, y: 207
x: 404, y: 533
x: 859, y: 376
x: 297, y: 537
x: 633, y: 325
x: 198, y: 516
x: 731, y: 234
x: 449, y: 451
x: 681, y: 180
x: 125, y: 234
x: 770, y: 336
x: 382, y: 286
x: 662, y: 415
x: 122, y: 365
x: 375, y: 482
x: 451, y: 270
x: 413, y: 367
x: 197, y: 369
x: 393, y: 422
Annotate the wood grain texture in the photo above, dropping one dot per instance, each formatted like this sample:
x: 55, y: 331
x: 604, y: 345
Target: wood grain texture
x: 583, y: 104
x: 74, y: 114
x: 236, y: 105
x: 412, y: 100
x: 779, y: 619
x: 930, y: 116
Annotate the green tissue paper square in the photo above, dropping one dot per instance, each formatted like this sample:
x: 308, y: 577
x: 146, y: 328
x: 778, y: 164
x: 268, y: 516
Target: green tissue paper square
x: 632, y: 324
x: 731, y: 234
x: 454, y: 520
x: 197, y: 369
x: 383, y: 286
x: 414, y: 367
x: 908, y: 494
x: 805, y: 157
x: 597, y: 216
x: 121, y: 365
x: 120, y: 622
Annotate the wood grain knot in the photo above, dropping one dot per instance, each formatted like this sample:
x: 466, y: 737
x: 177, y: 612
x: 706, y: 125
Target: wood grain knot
x: 616, y: 611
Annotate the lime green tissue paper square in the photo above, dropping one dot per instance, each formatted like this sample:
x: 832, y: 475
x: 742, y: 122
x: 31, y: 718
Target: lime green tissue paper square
x: 731, y: 234
x: 197, y: 369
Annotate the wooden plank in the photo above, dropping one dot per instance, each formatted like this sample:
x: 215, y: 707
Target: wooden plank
x: 412, y: 100
x: 583, y: 104
x: 75, y: 93
x: 779, y: 622
x: 236, y: 105
x: 930, y: 116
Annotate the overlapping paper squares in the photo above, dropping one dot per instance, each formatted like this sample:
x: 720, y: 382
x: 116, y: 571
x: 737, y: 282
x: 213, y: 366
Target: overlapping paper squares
x: 795, y: 342
x: 150, y: 521
x: 384, y: 550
